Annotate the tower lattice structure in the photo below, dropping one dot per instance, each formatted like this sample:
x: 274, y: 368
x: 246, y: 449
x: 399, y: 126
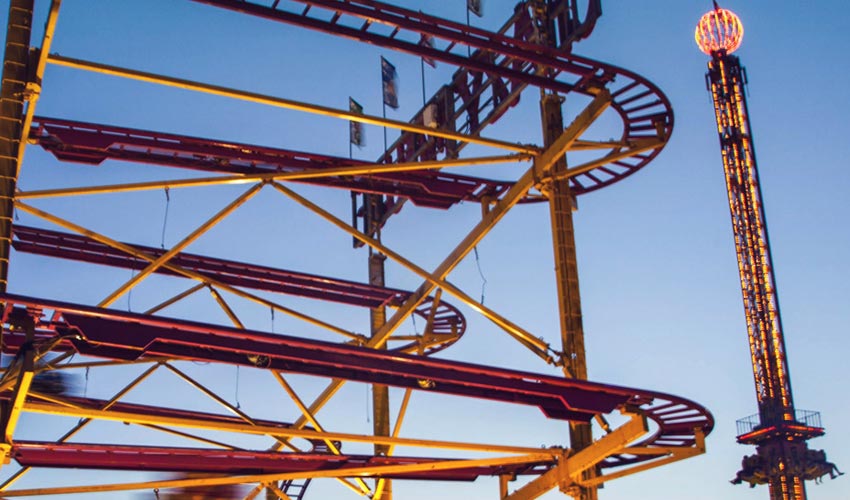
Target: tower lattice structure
x: 779, y: 430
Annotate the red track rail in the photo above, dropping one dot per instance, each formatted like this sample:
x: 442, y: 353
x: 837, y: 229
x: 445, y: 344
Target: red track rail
x: 128, y: 336
x: 448, y: 323
x: 514, y: 61
x: 93, y: 143
x: 144, y: 458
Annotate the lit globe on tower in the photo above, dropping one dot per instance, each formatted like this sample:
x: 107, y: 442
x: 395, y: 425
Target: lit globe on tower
x: 719, y: 29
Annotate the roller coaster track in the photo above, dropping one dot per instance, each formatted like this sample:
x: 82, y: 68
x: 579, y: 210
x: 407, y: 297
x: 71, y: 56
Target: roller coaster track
x: 125, y: 336
x: 93, y: 143
x: 445, y: 322
x: 495, y: 72
x: 494, y: 69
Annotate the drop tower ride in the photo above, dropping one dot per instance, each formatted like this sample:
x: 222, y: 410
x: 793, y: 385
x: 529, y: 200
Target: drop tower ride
x: 779, y: 431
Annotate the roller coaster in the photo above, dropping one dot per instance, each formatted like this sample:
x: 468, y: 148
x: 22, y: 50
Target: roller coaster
x: 40, y: 336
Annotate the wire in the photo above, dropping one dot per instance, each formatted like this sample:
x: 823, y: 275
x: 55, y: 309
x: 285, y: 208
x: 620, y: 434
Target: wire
x: 238, y: 406
x: 480, y: 273
x: 165, y: 217
x: 130, y: 292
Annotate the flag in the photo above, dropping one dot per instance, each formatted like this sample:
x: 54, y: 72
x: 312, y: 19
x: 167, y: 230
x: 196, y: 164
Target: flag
x: 475, y: 7
x: 355, y: 129
x: 428, y: 41
x: 389, y: 80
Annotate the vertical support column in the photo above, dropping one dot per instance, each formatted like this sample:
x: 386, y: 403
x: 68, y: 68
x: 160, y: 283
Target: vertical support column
x: 13, y: 90
x: 374, y: 213
x: 566, y: 273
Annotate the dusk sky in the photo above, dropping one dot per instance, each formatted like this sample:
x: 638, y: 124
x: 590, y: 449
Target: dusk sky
x: 658, y: 275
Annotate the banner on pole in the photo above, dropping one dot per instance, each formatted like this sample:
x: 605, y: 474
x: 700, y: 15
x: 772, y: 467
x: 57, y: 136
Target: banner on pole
x: 428, y: 41
x: 389, y: 81
x: 355, y: 129
x: 476, y: 7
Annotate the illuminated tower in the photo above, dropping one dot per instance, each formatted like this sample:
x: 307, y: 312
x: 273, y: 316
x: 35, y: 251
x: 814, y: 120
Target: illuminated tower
x: 778, y: 431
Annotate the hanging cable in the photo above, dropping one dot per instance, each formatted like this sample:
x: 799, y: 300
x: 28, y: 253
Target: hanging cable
x: 165, y: 217
x: 130, y: 292
x: 236, y: 395
x: 480, y: 273
x: 271, y: 310
x: 368, y: 408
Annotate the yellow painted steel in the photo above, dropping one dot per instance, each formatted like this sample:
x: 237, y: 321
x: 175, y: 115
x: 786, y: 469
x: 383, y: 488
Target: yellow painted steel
x: 185, y: 272
x: 258, y: 478
x: 500, y: 208
x: 537, y: 345
x: 177, y: 298
x: 34, y: 87
x: 402, y: 411
x: 116, y: 416
x: 304, y: 410
x: 567, y: 473
x: 17, y: 404
x: 236, y: 411
x: 226, y: 308
x: 83, y: 422
x: 188, y: 240
x: 616, y: 155
x: 361, y: 488
x: 677, y: 454
x: 317, y: 173
x: 282, y: 103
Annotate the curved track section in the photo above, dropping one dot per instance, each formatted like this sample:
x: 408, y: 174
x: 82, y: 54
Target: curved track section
x: 509, y: 63
x: 445, y: 322
x: 130, y: 337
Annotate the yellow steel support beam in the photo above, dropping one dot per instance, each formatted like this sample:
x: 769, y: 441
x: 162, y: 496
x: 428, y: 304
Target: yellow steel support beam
x: 361, y: 488
x: 116, y: 416
x: 185, y: 272
x: 536, y: 345
x: 188, y: 240
x: 83, y: 422
x: 568, y: 472
x: 33, y: 89
x: 669, y: 455
x: 10, y: 411
x: 542, y: 164
x: 317, y: 173
x: 226, y: 308
x: 355, y: 471
x: 500, y: 208
x: 633, y: 149
x: 282, y: 103
x: 304, y: 410
x: 177, y: 298
x: 402, y: 411
x: 221, y: 401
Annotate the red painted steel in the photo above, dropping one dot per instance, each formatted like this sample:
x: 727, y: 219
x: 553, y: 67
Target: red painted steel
x: 512, y: 60
x: 93, y: 143
x: 142, y: 458
x: 127, y: 336
x: 448, y: 321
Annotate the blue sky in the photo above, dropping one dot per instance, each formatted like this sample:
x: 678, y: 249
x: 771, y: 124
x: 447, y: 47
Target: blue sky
x: 659, y: 284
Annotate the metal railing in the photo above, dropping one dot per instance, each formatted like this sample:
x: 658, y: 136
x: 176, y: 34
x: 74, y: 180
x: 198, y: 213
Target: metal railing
x: 805, y: 417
